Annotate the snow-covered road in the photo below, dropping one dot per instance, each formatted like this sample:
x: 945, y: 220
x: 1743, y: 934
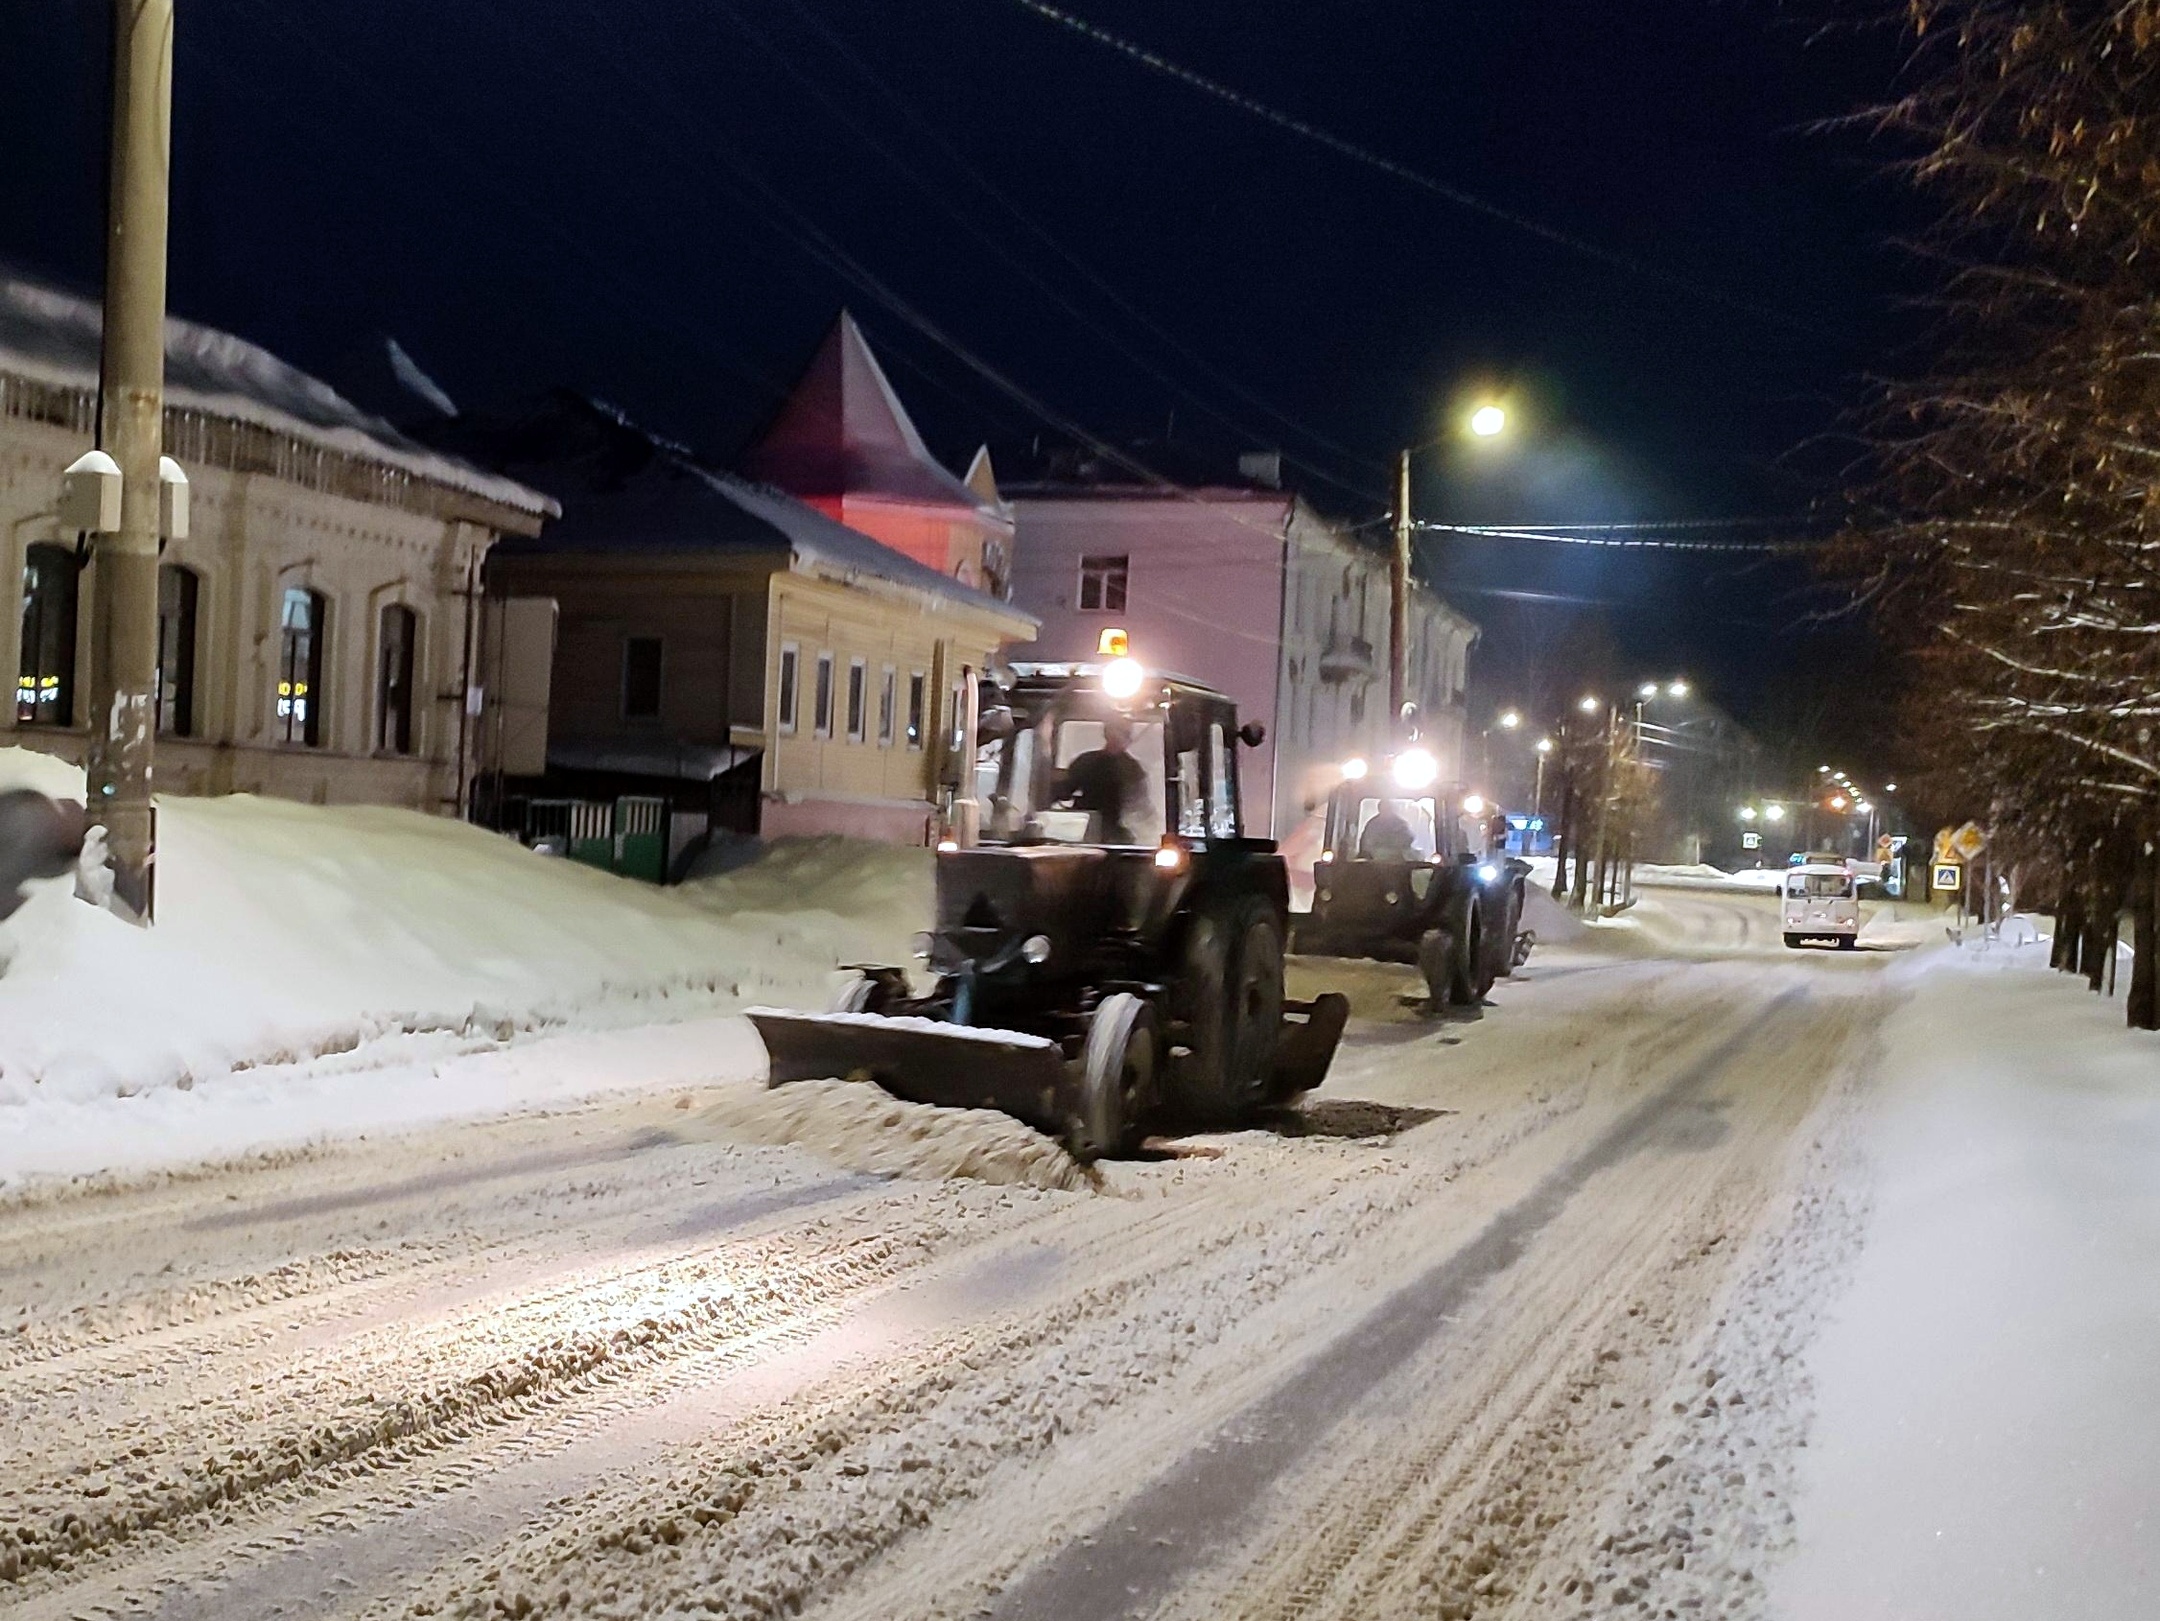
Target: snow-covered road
x: 1509, y: 1320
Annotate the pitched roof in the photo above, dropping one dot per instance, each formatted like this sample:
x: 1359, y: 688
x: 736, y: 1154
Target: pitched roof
x: 843, y: 431
x: 624, y: 493
x: 54, y: 337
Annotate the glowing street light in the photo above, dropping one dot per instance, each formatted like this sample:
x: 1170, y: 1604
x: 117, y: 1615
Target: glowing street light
x: 1677, y: 689
x: 1589, y: 704
x: 1837, y: 801
x: 1544, y: 745
x: 1510, y: 719
x: 1649, y: 689
x: 1488, y: 421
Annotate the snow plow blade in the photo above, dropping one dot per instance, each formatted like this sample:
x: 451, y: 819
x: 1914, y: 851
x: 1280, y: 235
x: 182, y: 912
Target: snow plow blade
x: 923, y: 1061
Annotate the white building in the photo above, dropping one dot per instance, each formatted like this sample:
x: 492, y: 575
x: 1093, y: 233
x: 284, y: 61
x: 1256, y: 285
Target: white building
x: 317, y: 626
x: 1248, y: 588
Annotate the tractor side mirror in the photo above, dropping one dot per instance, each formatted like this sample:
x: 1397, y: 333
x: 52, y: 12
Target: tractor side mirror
x: 1252, y: 734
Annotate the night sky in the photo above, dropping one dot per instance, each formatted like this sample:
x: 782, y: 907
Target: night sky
x: 662, y: 202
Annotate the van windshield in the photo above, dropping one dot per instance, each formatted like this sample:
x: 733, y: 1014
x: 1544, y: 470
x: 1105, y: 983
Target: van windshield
x: 1819, y: 885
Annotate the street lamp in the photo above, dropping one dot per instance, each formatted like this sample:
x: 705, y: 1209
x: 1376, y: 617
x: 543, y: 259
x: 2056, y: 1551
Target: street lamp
x: 1510, y: 719
x: 1677, y: 689
x: 1488, y: 421
x: 1590, y: 703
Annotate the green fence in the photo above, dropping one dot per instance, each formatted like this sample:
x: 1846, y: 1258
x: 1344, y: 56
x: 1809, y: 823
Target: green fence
x: 628, y: 836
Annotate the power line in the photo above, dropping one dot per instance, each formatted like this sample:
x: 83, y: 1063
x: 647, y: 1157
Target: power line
x: 1109, y: 293
x: 1631, y: 536
x: 997, y: 247
x: 1155, y: 62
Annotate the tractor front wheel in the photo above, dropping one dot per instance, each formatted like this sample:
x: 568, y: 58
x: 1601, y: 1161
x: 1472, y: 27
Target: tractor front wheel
x: 1117, y: 1078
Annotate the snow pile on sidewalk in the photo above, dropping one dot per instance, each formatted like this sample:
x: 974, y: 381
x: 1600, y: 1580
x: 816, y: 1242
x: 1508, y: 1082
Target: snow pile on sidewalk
x: 286, y: 932
x: 1987, y: 1445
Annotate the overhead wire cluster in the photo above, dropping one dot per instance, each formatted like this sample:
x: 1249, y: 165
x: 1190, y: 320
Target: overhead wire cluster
x: 1672, y: 535
x: 700, y: 132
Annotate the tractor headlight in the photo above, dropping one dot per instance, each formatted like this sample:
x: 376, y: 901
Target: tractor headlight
x: 1488, y: 872
x: 1415, y: 768
x: 1354, y: 768
x: 1036, y: 948
x: 1121, y: 678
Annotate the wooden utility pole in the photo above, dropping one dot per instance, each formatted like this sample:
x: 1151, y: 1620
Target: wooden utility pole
x: 124, y: 603
x: 1398, y: 617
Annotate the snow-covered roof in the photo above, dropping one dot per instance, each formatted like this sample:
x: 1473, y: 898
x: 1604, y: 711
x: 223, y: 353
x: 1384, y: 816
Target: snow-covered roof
x: 53, y: 337
x: 670, y: 504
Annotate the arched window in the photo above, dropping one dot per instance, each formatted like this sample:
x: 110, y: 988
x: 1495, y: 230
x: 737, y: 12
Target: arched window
x: 302, y: 629
x: 177, y: 589
x: 45, y: 679
x: 394, y: 680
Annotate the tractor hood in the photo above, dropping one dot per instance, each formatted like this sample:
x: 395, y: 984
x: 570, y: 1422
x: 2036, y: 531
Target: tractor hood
x: 1073, y: 895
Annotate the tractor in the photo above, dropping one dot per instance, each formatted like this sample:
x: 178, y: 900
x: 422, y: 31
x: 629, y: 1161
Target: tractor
x: 1107, y: 956
x: 1398, y: 879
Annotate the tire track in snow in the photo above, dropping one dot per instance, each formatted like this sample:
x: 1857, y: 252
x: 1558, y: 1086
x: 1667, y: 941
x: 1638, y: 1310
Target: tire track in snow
x: 1170, y: 1527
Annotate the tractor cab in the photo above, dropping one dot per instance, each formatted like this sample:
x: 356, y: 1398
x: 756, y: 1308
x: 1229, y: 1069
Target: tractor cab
x: 1404, y: 875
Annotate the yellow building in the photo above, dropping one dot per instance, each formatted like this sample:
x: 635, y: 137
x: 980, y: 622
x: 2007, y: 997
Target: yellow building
x: 729, y: 650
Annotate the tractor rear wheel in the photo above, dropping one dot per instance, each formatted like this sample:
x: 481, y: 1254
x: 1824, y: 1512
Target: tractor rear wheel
x: 1232, y: 994
x: 1503, y: 945
x: 1473, y: 964
x: 1117, y: 1078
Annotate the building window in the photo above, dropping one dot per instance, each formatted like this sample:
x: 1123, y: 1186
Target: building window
x: 858, y: 698
x: 394, y: 680
x: 1102, y: 584
x: 790, y: 681
x: 177, y: 590
x: 641, y: 677
x: 45, y: 679
x: 917, y: 695
x: 303, y: 628
x: 885, y: 707
x: 821, y: 713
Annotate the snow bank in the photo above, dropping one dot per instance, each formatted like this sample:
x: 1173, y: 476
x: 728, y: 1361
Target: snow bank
x: 289, y: 932
x: 1988, y: 1438
x: 1699, y: 874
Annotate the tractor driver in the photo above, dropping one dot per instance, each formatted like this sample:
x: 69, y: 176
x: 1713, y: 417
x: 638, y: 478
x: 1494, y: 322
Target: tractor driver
x: 1388, y: 836
x: 1107, y: 783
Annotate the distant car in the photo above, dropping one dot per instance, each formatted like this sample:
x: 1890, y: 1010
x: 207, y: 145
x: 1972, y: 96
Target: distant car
x: 1820, y: 902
